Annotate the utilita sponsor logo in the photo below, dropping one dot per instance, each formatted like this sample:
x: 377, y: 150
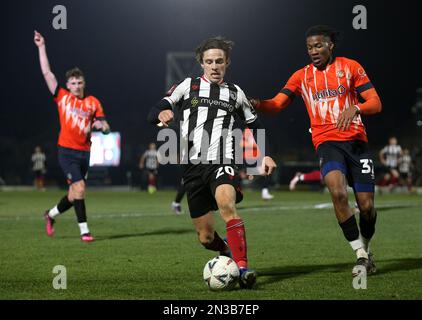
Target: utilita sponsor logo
x: 329, y: 93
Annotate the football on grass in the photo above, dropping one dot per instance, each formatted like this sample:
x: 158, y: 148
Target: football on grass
x: 221, y: 273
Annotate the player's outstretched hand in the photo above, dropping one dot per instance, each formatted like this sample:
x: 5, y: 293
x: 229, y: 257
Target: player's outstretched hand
x: 268, y: 165
x: 346, y: 118
x: 254, y: 102
x: 38, y: 39
x: 165, y: 116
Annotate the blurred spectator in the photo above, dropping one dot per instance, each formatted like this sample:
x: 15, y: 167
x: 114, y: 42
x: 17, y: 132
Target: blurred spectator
x: 149, y: 161
x: 389, y: 158
x: 405, y: 169
x: 39, y: 168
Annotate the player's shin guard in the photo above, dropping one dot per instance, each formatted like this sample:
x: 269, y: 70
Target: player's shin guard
x: 80, y: 210
x: 367, y: 225
x: 236, y: 239
x: 351, y: 233
x: 64, y: 204
x: 217, y: 244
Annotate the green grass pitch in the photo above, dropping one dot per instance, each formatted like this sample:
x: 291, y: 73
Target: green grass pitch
x: 144, y: 251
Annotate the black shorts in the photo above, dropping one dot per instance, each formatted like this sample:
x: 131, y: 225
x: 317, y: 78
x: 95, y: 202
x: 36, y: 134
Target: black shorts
x: 353, y: 159
x: 152, y: 171
x: 406, y: 175
x: 392, y: 169
x: 74, y: 163
x: 39, y: 174
x: 200, y: 182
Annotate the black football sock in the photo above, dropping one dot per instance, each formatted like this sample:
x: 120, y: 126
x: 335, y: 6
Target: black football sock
x: 180, y: 193
x: 367, y: 225
x: 350, y: 229
x: 217, y: 244
x: 351, y: 233
x: 64, y: 204
x: 80, y: 210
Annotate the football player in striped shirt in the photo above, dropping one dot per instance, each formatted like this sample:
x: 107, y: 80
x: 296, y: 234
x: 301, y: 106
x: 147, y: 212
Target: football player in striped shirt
x: 330, y: 87
x: 208, y: 107
x: 389, y: 157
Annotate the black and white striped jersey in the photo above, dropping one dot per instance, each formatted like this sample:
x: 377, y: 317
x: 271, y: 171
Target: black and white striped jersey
x: 207, y: 113
x: 391, y: 155
x: 405, y: 164
x: 38, y: 159
x: 151, y: 159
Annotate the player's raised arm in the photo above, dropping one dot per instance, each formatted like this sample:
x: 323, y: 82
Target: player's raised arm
x: 49, y: 77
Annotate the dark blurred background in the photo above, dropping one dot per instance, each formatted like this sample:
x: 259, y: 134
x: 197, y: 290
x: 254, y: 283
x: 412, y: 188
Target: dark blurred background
x: 122, y: 45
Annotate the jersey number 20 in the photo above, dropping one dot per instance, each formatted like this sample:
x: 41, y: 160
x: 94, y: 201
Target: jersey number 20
x: 227, y: 169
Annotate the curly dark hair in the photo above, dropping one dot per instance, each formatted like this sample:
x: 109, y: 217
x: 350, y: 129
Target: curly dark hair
x: 323, y: 30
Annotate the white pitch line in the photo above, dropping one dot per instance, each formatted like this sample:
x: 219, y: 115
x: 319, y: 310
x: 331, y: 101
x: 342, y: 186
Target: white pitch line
x: 128, y: 215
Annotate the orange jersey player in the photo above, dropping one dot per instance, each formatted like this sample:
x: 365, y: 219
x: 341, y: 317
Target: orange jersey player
x: 327, y: 94
x: 330, y: 87
x: 78, y: 114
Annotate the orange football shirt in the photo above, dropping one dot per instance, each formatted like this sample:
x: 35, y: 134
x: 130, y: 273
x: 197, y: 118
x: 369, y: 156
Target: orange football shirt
x: 327, y: 93
x: 76, y: 117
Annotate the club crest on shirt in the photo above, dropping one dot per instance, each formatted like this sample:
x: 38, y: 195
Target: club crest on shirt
x: 340, y: 74
x: 194, y: 101
x: 361, y: 72
x: 233, y: 95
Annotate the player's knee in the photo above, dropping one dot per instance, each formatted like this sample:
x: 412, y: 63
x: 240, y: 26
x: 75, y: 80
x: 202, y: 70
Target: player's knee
x: 78, y: 189
x: 205, y: 237
x: 339, y: 196
x: 366, y: 206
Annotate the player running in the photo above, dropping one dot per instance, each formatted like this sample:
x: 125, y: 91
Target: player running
x: 330, y: 87
x: 78, y: 114
x: 208, y: 106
